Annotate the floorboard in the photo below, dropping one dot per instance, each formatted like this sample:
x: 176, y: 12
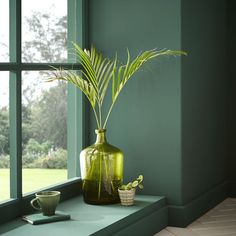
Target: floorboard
x: 219, y: 221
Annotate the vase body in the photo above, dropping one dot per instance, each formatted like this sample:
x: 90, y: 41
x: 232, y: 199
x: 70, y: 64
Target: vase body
x: 101, y: 171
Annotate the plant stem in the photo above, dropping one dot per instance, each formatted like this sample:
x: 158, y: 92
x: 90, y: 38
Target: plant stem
x: 108, y: 114
x: 96, y: 116
x: 100, y: 115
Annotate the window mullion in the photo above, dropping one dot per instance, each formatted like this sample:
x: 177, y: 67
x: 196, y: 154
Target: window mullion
x: 76, y: 122
x: 15, y: 101
x: 15, y: 136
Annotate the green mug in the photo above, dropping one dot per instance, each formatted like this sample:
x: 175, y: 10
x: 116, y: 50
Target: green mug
x: 47, y: 202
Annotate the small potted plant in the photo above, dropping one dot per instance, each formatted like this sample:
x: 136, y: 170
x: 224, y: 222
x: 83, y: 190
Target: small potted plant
x: 127, y: 191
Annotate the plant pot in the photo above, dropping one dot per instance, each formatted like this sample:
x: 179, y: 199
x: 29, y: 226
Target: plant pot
x: 127, y: 197
x: 102, y: 171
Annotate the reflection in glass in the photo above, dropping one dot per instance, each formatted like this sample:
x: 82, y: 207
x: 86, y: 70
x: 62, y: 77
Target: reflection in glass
x: 44, y: 31
x: 4, y: 137
x: 4, y: 31
x: 44, y: 131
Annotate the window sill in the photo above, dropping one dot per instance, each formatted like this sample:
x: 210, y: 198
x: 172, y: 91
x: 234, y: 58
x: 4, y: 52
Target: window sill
x: 146, y: 217
x: 13, y: 208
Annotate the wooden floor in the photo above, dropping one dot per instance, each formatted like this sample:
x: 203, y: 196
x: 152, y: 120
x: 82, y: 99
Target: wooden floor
x: 220, y: 221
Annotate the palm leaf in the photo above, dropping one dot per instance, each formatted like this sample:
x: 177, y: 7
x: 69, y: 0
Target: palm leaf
x: 108, y: 70
x: 130, y: 68
x: 98, y: 71
x: 113, y: 79
x: 87, y: 65
x: 78, y: 81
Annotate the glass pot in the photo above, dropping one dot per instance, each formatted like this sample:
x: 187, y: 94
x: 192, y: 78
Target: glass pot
x: 102, y: 171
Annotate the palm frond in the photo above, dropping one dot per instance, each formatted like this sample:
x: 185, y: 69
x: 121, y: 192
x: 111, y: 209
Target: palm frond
x: 98, y: 71
x: 85, y: 59
x: 78, y: 81
x: 106, y: 76
x: 113, y: 78
x: 126, y: 71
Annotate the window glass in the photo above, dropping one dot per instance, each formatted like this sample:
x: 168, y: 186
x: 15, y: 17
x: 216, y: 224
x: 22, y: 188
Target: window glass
x: 4, y: 136
x: 44, y: 31
x: 44, y: 131
x: 4, y: 32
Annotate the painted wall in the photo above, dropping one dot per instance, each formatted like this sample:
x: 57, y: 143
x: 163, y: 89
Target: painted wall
x: 170, y: 119
x: 145, y: 122
x: 204, y: 96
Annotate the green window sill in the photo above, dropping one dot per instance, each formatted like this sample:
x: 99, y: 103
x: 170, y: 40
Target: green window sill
x: 148, y: 216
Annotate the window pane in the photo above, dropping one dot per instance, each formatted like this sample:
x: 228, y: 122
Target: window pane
x: 44, y: 131
x: 4, y: 136
x: 44, y: 33
x: 4, y: 31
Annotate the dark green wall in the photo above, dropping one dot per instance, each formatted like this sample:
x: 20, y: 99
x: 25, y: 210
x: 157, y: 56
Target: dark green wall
x: 204, y: 96
x: 145, y: 122
x: 170, y: 119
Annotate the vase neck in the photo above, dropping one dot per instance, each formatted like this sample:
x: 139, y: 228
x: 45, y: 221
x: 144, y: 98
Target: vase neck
x: 101, y: 136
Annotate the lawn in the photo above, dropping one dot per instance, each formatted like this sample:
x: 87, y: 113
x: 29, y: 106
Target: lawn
x: 33, y: 179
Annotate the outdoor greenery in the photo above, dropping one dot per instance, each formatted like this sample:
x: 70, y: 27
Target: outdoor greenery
x: 30, y: 180
x: 44, y: 111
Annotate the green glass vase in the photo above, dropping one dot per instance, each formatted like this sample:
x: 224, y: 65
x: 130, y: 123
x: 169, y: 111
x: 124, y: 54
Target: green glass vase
x: 101, y: 171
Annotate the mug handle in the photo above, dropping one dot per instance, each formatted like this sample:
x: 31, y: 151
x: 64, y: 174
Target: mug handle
x: 33, y: 205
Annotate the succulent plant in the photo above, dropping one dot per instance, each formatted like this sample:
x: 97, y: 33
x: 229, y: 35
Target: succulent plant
x: 136, y: 183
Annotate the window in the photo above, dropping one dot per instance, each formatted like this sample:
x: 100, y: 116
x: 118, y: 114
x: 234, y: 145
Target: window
x: 41, y: 122
x: 44, y: 31
x: 44, y: 131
